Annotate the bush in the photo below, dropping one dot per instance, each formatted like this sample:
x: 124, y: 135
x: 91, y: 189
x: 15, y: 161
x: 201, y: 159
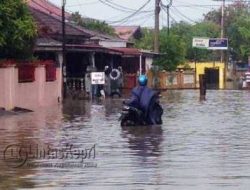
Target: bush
x: 17, y: 30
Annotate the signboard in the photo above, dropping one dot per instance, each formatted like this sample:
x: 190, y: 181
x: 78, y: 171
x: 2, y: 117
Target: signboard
x: 211, y: 44
x: 97, y: 78
x: 218, y: 44
x: 201, y: 42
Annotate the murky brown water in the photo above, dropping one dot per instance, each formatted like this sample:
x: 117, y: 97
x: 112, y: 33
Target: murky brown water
x: 201, y: 145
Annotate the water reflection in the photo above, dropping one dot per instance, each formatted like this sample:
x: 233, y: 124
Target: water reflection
x: 24, y: 130
x: 145, y: 141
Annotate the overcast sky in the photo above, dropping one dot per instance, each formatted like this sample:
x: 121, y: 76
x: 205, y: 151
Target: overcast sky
x: 122, y: 12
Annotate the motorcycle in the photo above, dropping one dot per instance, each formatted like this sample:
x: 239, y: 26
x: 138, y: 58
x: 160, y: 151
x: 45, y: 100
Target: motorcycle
x: 131, y: 116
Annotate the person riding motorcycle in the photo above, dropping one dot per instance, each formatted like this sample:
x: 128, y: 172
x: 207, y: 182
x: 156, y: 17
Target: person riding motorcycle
x: 146, y: 100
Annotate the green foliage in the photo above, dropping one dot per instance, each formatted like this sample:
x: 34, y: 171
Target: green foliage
x: 204, y: 29
x: 173, y: 51
x: 178, y: 45
x: 92, y: 24
x: 146, y: 41
x: 236, y: 28
x: 187, y: 32
x: 17, y: 30
x: 240, y: 37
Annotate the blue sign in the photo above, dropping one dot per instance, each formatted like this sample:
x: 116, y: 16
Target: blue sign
x: 218, y: 43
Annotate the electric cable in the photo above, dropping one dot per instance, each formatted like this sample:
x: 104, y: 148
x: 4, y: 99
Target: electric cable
x: 131, y: 15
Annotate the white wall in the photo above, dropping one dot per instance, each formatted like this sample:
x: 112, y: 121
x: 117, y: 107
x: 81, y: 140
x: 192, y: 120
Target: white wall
x: 110, y: 44
x: 148, y: 62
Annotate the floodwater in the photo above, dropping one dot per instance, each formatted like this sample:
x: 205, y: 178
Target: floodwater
x: 201, y: 145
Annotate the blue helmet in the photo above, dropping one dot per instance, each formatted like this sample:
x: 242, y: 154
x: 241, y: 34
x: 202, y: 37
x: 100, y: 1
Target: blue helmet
x: 143, y: 80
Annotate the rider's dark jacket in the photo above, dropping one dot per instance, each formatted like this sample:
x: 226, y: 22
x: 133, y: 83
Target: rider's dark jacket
x: 145, y: 99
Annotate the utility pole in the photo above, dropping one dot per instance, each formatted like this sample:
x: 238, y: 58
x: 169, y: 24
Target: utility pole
x: 156, y: 32
x: 222, y: 18
x: 222, y: 26
x: 64, y: 71
x: 168, y: 6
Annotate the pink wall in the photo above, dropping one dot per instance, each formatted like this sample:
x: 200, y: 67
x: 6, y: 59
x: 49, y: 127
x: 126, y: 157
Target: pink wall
x: 53, y: 90
x: 30, y: 95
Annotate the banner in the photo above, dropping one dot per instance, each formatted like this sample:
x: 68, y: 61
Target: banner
x: 211, y: 44
x: 200, y: 43
x: 218, y: 44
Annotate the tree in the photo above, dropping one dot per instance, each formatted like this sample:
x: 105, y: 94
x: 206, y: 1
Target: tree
x: 240, y: 38
x: 209, y: 30
x: 92, y: 24
x: 186, y: 32
x: 236, y: 27
x: 172, y: 49
x: 146, y: 41
x: 17, y: 30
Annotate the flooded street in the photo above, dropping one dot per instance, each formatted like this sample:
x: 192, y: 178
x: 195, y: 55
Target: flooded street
x: 201, y: 145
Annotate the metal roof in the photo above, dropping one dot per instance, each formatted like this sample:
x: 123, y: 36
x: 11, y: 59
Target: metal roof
x: 47, y: 7
x: 50, y: 25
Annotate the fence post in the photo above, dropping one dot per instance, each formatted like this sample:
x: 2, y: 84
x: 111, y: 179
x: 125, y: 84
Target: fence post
x: 40, y: 79
x: 7, y: 85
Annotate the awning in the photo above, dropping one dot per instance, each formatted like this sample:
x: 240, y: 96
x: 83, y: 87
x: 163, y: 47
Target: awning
x: 48, y: 44
x: 128, y: 52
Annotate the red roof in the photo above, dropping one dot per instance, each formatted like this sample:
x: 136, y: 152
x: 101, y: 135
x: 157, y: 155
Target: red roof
x: 50, y: 25
x: 43, y: 8
x: 125, y: 32
x: 47, y: 7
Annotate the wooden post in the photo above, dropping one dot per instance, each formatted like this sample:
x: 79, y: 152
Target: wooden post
x: 156, y: 32
x: 203, y: 87
x: 64, y: 70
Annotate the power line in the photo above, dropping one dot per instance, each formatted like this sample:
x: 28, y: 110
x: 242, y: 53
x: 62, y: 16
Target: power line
x: 184, y: 16
x: 145, y: 18
x: 125, y: 8
x: 136, y: 18
x: 131, y: 15
x: 196, y: 5
x: 116, y: 8
x: 173, y: 18
x: 80, y: 4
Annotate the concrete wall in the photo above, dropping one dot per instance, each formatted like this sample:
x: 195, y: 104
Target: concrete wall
x: 171, y: 80
x: 29, y: 95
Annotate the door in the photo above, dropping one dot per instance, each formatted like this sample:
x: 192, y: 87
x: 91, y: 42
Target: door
x: 212, y: 78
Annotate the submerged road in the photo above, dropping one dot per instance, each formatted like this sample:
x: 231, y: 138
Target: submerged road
x: 80, y: 145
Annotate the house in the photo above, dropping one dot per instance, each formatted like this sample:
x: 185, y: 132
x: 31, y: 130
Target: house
x: 83, y: 47
x: 214, y: 72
